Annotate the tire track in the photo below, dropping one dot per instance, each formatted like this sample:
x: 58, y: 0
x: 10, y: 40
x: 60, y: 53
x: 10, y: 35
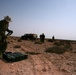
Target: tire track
x: 49, y: 66
x: 27, y: 49
x: 41, y: 65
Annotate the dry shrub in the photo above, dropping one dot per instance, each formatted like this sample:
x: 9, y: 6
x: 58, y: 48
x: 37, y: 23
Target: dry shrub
x: 64, y: 70
x: 50, y: 40
x: 59, y: 43
x: 17, y: 46
x: 59, y: 47
x: 38, y: 42
x: 32, y: 53
x: 19, y: 40
x: 65, y: 44
x: 56, y: 49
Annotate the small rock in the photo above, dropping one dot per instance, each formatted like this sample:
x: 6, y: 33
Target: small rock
x: 12, y: 64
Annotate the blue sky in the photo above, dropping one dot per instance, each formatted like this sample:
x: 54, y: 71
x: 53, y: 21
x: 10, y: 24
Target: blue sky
x: 51, y: 17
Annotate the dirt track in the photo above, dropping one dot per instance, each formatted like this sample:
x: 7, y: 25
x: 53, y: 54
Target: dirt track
x: 38, y: 64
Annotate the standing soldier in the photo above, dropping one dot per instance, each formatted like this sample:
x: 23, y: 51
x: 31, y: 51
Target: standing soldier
x: 42, y: 37
x: 53, y: 38
x: 4, y: 24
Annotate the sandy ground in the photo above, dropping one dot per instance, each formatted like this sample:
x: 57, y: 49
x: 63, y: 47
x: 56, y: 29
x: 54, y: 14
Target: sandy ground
x: 38, y: 64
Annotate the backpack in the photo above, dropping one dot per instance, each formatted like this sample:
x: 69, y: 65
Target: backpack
x: 14, y: 57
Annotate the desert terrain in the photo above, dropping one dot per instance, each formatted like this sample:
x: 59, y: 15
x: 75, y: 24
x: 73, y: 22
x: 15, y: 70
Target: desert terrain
x: 40, y: 61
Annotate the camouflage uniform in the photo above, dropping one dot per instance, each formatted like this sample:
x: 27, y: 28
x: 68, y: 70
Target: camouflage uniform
x: 3, y: 28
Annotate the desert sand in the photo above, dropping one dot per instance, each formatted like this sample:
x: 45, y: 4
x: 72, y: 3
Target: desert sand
x: 39, y: 63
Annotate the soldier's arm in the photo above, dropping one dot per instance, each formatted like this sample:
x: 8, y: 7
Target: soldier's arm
x: 9, y: 32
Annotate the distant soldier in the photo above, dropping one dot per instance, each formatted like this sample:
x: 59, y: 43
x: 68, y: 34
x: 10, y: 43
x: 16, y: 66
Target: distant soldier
x: 53, y: 38
x: 4, y: 24
x: 42, y: 37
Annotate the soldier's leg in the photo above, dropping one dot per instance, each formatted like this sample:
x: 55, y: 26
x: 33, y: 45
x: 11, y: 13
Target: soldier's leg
x: 3, y: 44
x: 4, y: 47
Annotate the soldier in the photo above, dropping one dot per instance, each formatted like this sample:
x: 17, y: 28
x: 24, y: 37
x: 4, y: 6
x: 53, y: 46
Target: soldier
x: 42, y: 37
x: 4, y: 24
x: 53, y: 38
